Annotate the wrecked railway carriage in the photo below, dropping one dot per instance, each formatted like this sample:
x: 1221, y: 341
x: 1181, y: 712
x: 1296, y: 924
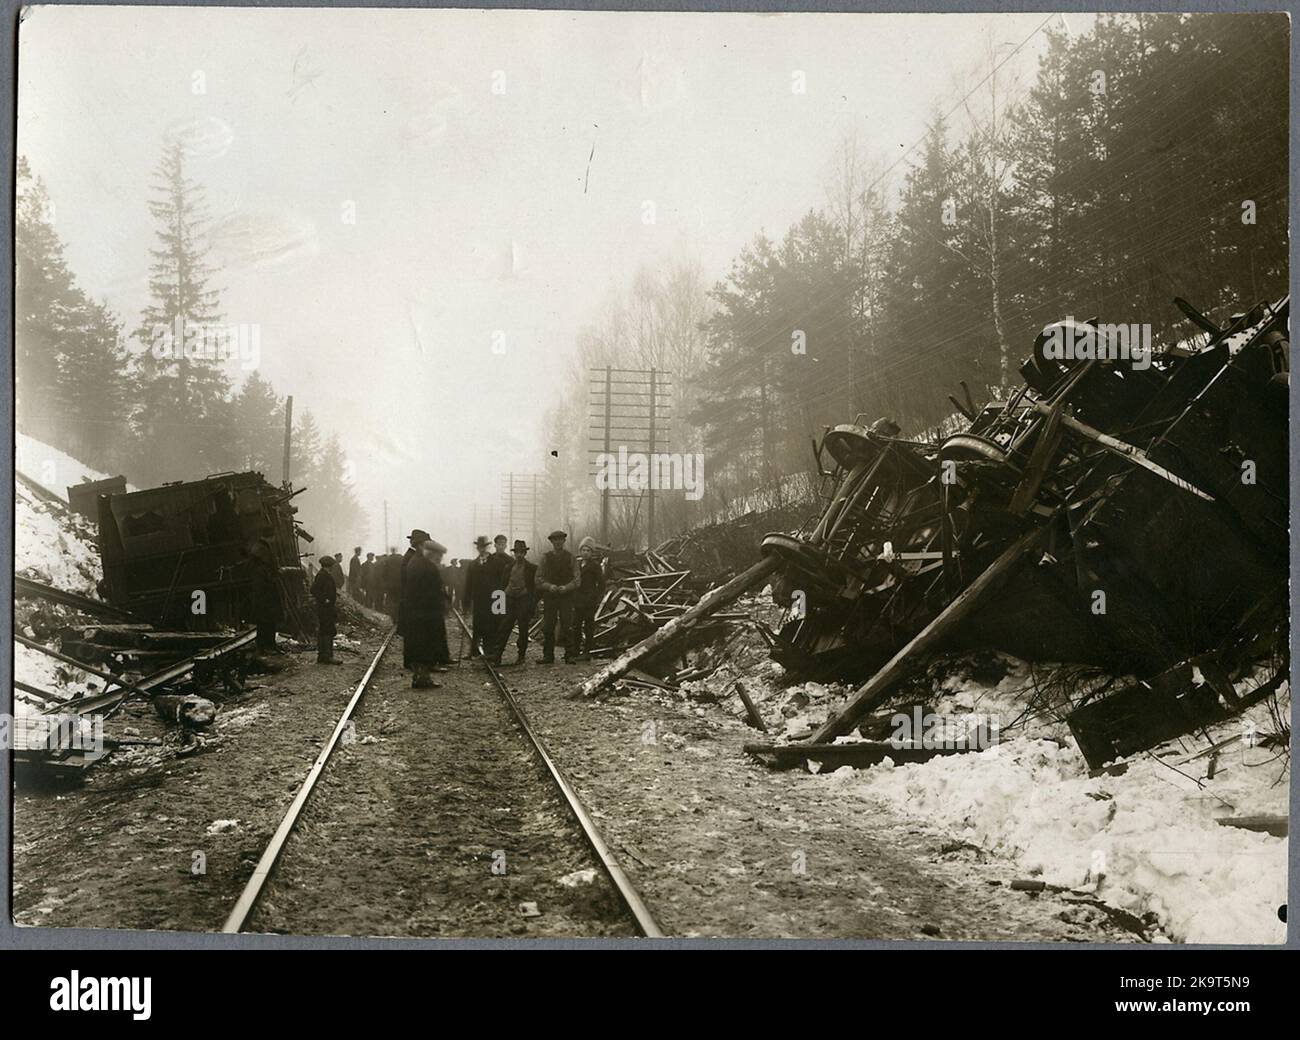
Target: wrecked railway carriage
x: 162, y: 545
x: 1126, y: 515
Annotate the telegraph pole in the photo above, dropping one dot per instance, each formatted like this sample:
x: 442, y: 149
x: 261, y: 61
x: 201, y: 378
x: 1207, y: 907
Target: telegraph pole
x: 604, y: 495
x: 638, y: 401
x: 650, y: 504
x: 288, y: 435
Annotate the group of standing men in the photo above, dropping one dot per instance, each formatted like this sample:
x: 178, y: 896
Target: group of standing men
x: 502, y: 590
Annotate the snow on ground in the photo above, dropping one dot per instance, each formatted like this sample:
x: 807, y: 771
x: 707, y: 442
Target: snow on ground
x: 55, y: 546
x: 52, y: 544
x: 53, y: 469
x: 1146, y: 841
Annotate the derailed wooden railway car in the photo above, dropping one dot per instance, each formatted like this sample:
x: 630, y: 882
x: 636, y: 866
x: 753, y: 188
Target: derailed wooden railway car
x: 163, y: 547
x: 1158, y: 490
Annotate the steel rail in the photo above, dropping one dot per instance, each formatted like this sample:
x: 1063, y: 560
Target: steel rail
x: 632, y: 900
x: 266, y: 865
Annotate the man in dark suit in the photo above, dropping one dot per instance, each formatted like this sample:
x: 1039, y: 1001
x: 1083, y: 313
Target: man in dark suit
x: 521, y: 594
x: 325, y: 591
x: 368, y: 581
x: 417, y: 538
x: 558, y: 578
x: 354, y: 574
x: 478, y: 599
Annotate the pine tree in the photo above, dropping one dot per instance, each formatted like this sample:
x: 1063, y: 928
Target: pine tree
x: 305, y: 451
x: 259, y: 425
x: 183, y: 421
x: 934, y: 329
x: 92, y: 387
x: 69, y: 359
x: 337, y: 513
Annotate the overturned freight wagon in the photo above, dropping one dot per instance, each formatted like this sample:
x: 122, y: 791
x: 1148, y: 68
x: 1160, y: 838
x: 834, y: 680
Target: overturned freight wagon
x: 1131, y: 511
x: 163, y: 546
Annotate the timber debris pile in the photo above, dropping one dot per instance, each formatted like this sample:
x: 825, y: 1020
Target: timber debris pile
x: 645, y: 591
x: 1122, y: 513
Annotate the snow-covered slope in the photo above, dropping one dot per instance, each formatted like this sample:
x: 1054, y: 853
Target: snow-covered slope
x: 55, y: 546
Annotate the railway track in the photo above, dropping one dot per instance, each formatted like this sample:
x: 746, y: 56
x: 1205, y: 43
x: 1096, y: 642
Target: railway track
x: 244, y: 906
x: 640, y: 913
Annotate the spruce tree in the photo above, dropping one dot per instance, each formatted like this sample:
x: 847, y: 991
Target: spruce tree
x: 259, y: 427
x: 182, y: 418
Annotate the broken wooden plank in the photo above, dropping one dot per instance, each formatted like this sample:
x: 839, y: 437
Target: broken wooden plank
x: 142, y: 637
x: 711, y: 601
x: 36, y: 691
x: 755, y: 718
x: 26, y: 588
x: 868, y: 695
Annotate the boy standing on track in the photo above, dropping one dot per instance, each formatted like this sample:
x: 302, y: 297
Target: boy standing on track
x: 591, y: 590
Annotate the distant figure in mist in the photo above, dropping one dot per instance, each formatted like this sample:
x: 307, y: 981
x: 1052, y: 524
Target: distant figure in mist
x: 367, y: 580
x: 354, y: 574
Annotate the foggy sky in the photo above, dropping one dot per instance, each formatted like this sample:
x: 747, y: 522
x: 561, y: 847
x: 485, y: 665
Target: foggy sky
x: 471, y: 216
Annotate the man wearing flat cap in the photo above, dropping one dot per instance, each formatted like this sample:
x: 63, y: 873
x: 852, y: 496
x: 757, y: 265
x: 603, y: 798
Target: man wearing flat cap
x: 478, y: 599
x: 521, y: 591
x: 557, y: 580
x: 325, y: 591
x: 417, y: 538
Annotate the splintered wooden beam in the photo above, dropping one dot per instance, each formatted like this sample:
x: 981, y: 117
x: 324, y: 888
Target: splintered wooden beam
x: 868, y: 695
x: 26, y: 588
x: 712, y: 601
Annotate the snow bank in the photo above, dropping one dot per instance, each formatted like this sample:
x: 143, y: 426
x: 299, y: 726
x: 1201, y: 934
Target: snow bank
x: 1147, y: 839
x: 53, y: 545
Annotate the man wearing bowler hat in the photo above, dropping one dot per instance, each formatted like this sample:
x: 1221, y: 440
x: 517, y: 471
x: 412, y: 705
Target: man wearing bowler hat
x: 417, y: 538
x: 521, y: 591
x: 478, y: 599
x: 558, y: 578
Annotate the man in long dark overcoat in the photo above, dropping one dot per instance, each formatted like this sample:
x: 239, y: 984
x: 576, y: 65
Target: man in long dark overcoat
x: 417, y: 538
x: 424, y: 609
